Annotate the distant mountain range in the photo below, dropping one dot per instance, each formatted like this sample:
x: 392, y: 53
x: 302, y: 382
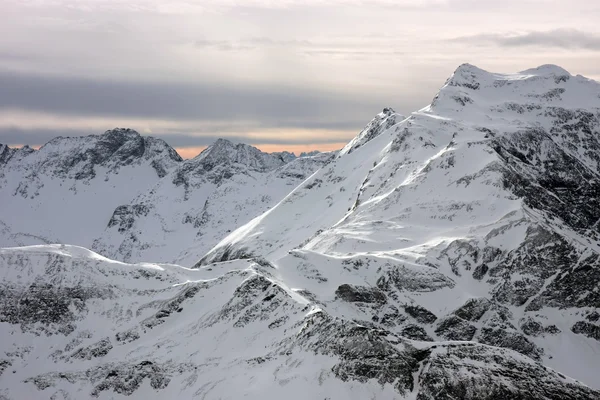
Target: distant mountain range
x: 132, y: 198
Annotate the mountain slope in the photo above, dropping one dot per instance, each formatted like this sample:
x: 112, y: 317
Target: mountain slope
x: 474, y: 219
x: 227, y: 331
x: 201, y: 201
x: 132, y: 198
x: 65, y: 191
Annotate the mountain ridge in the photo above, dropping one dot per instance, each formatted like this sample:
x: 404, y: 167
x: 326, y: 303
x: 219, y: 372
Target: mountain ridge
x: 491, y: 155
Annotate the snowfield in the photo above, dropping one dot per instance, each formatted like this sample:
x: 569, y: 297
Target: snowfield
x: 450, y: 254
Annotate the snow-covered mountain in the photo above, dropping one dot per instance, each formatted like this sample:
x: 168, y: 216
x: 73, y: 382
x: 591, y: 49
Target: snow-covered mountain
x: 132, y: 198
x: 452, y: 254
x: 66, y: 191
x: 475, y: 219
x: 77, y: 325
x: 202, y: 200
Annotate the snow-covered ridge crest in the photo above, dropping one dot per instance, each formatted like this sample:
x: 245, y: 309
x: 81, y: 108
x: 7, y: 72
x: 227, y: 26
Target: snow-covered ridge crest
x: 225, y: 151
x: 80, y: 157
x: 382, y: 121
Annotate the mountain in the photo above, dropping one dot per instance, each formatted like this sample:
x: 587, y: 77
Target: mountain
x: 78, y: 325
x: 476, y: 218
x: 202, y: 200
x: 132, y: 198
x: 66, y: 191
x: 451, y: 254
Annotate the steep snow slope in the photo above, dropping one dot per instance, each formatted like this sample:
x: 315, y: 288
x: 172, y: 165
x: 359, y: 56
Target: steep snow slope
x: 473, y: 219
x: 201, y: 201
x: 77, y: 325
x: 66, y: 191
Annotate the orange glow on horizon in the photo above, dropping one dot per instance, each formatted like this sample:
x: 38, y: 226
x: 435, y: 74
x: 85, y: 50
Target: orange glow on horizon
x: 18, y: 146
x: 191, y: 152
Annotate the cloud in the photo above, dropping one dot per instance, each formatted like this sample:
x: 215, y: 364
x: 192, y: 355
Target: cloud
x: 222, y: 45
x: 346, y: 46
x: 273, y: 106
x: 203, y: 6
x: 281, y: 138
x: 558, y: 38
x: 190, y: 152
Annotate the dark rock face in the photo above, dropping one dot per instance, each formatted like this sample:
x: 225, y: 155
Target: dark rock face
x: 364, y: 353
x: 167, y: 308
x: 256, y: 300
x: 403, y: 279
x: 353, y: 294
x: 594, y: 316
x: 536, y: 164
x: 577, y: 286
x: 455, y: 328
x: 114, y: 149
x: 123, y: 378
x: 511, y: 340
x: 480, y: 271
x: 473, y: 309
x: 588, y: 329
x: 96, y: 350
x: 125, y: 216
x: 383, y: 121
x: 476, y: 373
x: 449, y: 371
x: 44, y: 303
x: 421, y: 314
x: 416, y: 332
x: 4, y: 364
x: 531, y: 327
x: 126, y: 379
x: 5, y: 154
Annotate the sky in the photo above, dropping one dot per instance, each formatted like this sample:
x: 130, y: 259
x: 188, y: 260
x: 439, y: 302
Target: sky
x: 292, y: 75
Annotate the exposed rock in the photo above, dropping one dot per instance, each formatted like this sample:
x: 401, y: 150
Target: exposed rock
x: 510, y: 340
x: 99, y: 349
x: 416, y: 332
x: 473, y: 309
x: 588, y: 329
x: 420, y: 313
x: 353, y: 294
x: 455, y: 328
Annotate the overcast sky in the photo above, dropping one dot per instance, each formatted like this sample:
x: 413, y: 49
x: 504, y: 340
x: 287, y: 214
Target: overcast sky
x: 280, y: 74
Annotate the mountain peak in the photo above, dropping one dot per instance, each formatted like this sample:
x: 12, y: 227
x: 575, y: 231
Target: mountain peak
x: 78, y: 157
x: 224, y: 152
x: 121, y: 132
x: 285, y: 156
x: 222, y: 142
x: 5, y: 153
x: 382, y: 121
x: 546, y: 69
x: 468, y: 76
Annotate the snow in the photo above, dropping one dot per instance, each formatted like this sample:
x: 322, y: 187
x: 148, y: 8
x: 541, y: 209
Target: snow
x: 404, y: 216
